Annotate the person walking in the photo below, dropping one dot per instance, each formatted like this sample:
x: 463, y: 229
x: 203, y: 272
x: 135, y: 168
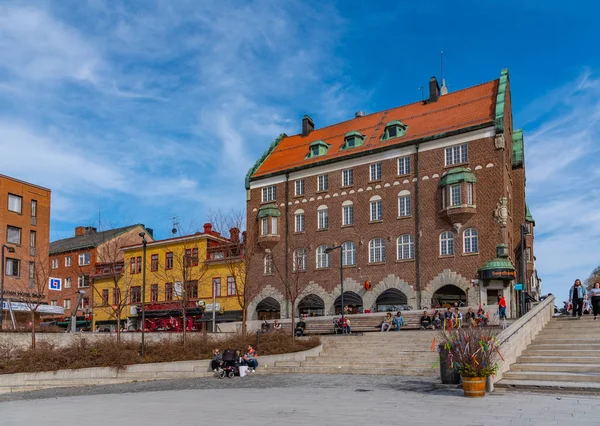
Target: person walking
x: 576, y: 296
x: 595, y: 294
x: 502, y: 307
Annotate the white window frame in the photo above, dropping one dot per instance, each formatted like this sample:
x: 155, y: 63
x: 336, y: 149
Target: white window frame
x: 323, y: 183
x: 299, y: 221
x: 457, y: 154
x: 273, y: 225
x: 231, y: 286
x: 405, y: 247
x: 528, y: 254
x: 470, y: 241
x: 322, y: 258
x: 81, y: 281
x: 269, y: 193
x: 404, y: 204
x: 470, y: 194
x: 323, y: 217
x: 19, y: 233
x: 347, y: 213
x: 299, y: 260
x: 264, y: 226
x: 404, y: 166
x: 55, y: 263
x: 68, y: 261
x: 377, y: 250
x: 446, y: 243
x: 348, y: 253
x: 67, y: 303
x: 13, y: 267
x: 16, y: 206
x: 376, y: 209
x: 67, y: 282
x: 375, y: 172
x: 455, y: 194
x: 269, y: 267
x: 347, y: 177
x: 299, y: 187
x: 84, y: 259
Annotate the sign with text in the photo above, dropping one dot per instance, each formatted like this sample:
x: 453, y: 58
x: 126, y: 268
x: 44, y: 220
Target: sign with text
x: 209, y: 307
x: 498, y: 274
x: 55, y: 284
x: 178, y: 289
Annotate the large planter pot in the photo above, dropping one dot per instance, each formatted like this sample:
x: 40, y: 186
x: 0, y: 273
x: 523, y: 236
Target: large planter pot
x: 474, y: 387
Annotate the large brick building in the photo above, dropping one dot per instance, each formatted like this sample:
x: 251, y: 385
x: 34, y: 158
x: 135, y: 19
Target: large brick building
x: 426, y: 201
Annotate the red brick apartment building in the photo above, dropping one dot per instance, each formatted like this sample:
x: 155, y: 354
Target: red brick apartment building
x: 426, y: 201
x: 74, y: 260
x: 24, y: 235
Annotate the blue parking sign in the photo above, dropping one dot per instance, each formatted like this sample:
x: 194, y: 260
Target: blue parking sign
x: 55, y: 284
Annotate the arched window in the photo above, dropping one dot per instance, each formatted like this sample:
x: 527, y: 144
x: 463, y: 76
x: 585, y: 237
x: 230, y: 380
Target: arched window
x: 323, y: 217
x: 299, y: 220
x: 269, y: 268
x: 405, y: 247
x: 446, y: 244
x: 347, y: 213
x: 348, y: 253
x: 470, y: 241
x: 376, y: 205
x: 299, y: 260
x: 322, y: 257
x: 377, y: 250
x: 404, y: 208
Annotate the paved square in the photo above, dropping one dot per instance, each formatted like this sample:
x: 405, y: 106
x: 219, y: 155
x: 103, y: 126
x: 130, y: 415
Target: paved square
x: 296, y: 400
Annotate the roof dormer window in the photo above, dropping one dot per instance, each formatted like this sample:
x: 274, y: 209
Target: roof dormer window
x: 352, y: 140
x: 316, y: 149
x: 394, y: 129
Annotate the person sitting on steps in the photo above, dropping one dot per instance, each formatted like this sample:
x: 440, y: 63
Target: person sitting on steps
x: 426, y: 321
x: 300, y: 327
x: 398, y: 320
x: 386, y: 323
x: 217, y: 360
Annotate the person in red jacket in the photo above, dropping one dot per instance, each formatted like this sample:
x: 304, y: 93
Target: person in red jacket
x: 501, y: 307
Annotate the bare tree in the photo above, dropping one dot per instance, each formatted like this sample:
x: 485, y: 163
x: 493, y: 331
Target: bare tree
x: 593, y: 278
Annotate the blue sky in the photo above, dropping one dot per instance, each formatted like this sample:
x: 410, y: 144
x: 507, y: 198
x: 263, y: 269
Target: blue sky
x: 147, y: 110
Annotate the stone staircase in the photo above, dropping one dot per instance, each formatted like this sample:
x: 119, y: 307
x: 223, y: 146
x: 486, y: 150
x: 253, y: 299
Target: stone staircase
x: 406, y: 353
x: 564, y: 356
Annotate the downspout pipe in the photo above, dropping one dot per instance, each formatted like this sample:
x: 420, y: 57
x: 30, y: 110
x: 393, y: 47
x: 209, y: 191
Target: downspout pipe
x: 418, y: 226
x: 287, y: 244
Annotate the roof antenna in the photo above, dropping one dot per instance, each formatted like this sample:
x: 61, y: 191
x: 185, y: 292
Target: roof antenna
x: 444, y: 89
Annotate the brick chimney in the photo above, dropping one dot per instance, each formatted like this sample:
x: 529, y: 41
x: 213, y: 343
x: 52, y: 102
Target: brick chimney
x: 308, y: 125
x: 434, y: 90
x: 234, y: 235
x: 79, y: 230
x: 208, y: 228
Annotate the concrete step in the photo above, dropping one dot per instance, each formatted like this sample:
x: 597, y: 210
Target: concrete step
x: 552, y: 376
x: 557, y: 367
x: 541, y: 359
x: 548, y: 386
x: 386, y: 359
x: 560, y: 352
x: 573, y: 341
x: 351, y: 370
x: 579, y: 334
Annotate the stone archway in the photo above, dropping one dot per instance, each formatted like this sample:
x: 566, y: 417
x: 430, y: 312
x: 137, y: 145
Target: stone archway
x: 316, y: 289
x: 446, y: 277
x: 267, y: 291
x: 389, y: 282
x: 350, y: 284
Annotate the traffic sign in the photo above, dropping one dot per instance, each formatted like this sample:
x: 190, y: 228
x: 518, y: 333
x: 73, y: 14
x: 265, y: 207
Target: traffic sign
x: 519, y: 287
x: 55, y: 284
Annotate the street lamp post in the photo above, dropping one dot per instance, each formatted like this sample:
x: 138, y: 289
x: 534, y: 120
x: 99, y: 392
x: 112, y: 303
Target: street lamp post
x: 328, y: 250
x: 144, y: 243
x: 10, y: 250
x: 523, y: 271
x: 214, y: 307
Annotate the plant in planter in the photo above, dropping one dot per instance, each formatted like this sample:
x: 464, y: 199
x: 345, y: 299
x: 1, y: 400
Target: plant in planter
x: 473, y: 353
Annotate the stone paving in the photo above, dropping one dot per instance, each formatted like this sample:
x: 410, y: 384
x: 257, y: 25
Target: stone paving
x: 292, y: 399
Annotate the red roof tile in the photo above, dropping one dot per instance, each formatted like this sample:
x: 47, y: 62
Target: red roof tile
x: 458, y: 110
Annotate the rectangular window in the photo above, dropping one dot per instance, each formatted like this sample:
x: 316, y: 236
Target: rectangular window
x: 455, y: 195
x: 264, y: 226
x: 13, y: 235
x: 269, y: 193
x: 274, y: 225
x: 68, y: 282
x: 216, y: 285
x: 83, y: 281
x: 154, y: 263
x: 54, y: 263
x: 104, y: 301
x: 323, y: 216
x: 457, y: 154
x: 299, y: 187
x: 31, y: 274
x: 191, y: 257
x: 404, y: 206
x: 168, y: 291
x: 528, y: 254
x: 13, y: 267
x: 403, y: 166
x: 154, y: 293
x: 231, y: 289
x: 53, y: 303
x: 191, y: 289
x: 68, y: 261
x: 132, y: 265
x: 15, y: 203
x: 116, y: 296
x: 67, y: 303
x: 33, y: 208
x: 84, y: 259
x: 348, y: 215
x: 322, y: 183
x: 169, y: 260
x: 443, y: 198
x: 299, y: 260
x: 269, y: 267
x: 32, y: 239
x: 376, y: 210
x: 138, y: 264
x: 470, y: 194
x: 136, y: 294
x: 299, y: 218
x: 375, y: 172
x: 347, y: 177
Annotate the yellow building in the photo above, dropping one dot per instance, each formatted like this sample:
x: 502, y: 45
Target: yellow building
x: 184, y: 273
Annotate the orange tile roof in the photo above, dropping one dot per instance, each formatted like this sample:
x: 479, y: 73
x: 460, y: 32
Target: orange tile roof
x: 457, y: 110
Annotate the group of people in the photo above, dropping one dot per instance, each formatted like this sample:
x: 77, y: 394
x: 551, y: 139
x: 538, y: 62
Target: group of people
x: 390, y: 321
x: 578, y: 298
x: 249, y: 359
x: 454, y: 319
